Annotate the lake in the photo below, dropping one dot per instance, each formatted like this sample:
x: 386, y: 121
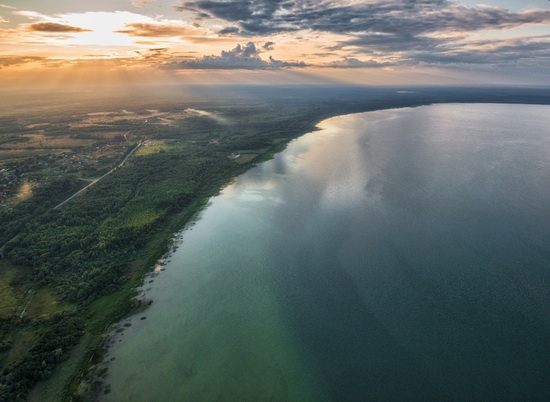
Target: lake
x: 392, y: 255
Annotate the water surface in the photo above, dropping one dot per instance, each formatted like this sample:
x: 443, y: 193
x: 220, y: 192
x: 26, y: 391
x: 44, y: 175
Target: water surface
x: 393, y: 255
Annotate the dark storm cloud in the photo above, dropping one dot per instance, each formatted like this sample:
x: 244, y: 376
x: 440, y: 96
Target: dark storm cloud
x: 449, y: 50
x: 243, y: 57
x: 416, y: 31
x: 253, y: 17
x: 54, y: 28
x: 229, y: 30
x: 411, y: 17
x: 236, y: 10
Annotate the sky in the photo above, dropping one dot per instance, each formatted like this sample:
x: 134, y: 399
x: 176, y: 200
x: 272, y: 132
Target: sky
x: 373, y: 42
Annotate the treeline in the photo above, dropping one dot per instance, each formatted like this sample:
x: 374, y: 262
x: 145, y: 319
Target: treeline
x: 44, y: 198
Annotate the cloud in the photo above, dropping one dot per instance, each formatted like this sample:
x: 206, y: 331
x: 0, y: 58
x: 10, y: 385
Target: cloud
x: 229, y: 30
x: 33, y: 15
x: 405, y: 32
x: 141, y: 3
x: 273, y: 63
x: 412, y: 17
x: 110, y: 29
x: 155, y: 53
x: 413, y: 50
x: 54, y: 27
x: 338, y: 34
x: 411, y: 31
x: 253, y: 16
x: 235, y: 10
x: 242, y: 57
x: 155, y: 30
x: 7, y: 61
x: 390, y: 42
x: 493, y: 52
x: 247, y: 51
x: 351, y: 62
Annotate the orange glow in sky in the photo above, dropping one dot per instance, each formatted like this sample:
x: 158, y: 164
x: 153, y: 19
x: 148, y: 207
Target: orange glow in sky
x: 352, y: 41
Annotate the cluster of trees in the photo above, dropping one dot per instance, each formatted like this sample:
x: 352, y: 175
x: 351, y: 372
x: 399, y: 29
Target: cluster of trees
x: 5, y: 343
x: 83, y: 248
x: 44, y: 198
x: 63, y: 333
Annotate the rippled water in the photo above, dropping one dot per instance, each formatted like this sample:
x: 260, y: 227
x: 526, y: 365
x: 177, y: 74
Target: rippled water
x: 393, y: 255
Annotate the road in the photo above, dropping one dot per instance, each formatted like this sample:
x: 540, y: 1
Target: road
x: 102, y: 177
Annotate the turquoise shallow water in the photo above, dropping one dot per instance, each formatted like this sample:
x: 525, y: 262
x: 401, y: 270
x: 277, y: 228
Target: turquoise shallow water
x: 394, y: 255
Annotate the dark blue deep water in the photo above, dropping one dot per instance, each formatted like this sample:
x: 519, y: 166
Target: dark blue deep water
x: 393, y: 255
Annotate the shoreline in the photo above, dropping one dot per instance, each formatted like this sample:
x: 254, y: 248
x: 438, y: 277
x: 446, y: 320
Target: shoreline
x: 92, y: 347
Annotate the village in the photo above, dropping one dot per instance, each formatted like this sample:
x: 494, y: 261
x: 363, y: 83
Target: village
x: 20, y: 176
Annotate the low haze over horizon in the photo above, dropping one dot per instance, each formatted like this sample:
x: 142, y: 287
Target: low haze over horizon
x: 394, y: 42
